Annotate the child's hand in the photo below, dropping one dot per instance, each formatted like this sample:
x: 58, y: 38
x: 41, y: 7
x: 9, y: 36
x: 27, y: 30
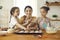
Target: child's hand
x: 0, y: 29
x: 10, y: 30
x: 25, y: 24
x: 28, y: 29
x: 29, y: 20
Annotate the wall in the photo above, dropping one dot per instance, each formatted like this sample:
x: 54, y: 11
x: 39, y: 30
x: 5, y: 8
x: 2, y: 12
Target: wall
x: 40, y: 3
x: 4, y: 12
x: 22, y: 3
x: 53, y: 9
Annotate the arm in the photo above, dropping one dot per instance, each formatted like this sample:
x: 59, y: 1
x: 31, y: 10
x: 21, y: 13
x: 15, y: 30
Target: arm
x: 20, y: 26
x: 27, y: 22
x: 32, y: 24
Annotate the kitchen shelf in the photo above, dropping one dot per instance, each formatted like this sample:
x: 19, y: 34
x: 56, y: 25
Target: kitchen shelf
x: 53, y: 3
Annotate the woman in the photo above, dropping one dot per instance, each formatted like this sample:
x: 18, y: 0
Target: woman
x: 28, y: 20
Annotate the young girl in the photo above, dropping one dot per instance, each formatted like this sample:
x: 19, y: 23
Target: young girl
x: 14, y: 22
x: 44, y: 20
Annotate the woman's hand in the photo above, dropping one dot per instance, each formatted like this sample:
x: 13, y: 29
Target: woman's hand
x: 29, y: 20
x: 25, y: 24
x: 20, y: 26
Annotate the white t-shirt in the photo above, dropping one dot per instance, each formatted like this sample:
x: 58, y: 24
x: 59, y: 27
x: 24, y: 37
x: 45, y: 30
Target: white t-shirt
x: 13, y: 22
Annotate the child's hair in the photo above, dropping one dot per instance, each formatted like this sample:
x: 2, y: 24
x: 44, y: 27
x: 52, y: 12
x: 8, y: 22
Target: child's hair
x: 46, y: 8
x: 28, y: 7
x: 13, y: 9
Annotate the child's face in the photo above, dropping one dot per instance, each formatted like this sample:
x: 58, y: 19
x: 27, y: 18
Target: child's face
x: 43, y: 12
x: 28, y: 12
x: 16, y: 12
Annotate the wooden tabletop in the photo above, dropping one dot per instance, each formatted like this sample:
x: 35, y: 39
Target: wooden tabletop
x: 45, y: 36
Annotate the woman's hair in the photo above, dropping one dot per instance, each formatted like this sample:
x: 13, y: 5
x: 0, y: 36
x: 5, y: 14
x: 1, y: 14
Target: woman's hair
x: 28, y: 7
x: 13, y: 9
x: 46, y: 8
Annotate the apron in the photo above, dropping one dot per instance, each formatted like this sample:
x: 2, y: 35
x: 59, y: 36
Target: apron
x: 43, y: 24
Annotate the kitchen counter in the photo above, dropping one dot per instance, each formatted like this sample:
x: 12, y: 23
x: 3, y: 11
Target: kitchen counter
x: 45, y: 36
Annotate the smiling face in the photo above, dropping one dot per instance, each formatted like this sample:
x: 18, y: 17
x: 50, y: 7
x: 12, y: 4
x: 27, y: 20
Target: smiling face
x: 28, y: 12
x: 43, y: 12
